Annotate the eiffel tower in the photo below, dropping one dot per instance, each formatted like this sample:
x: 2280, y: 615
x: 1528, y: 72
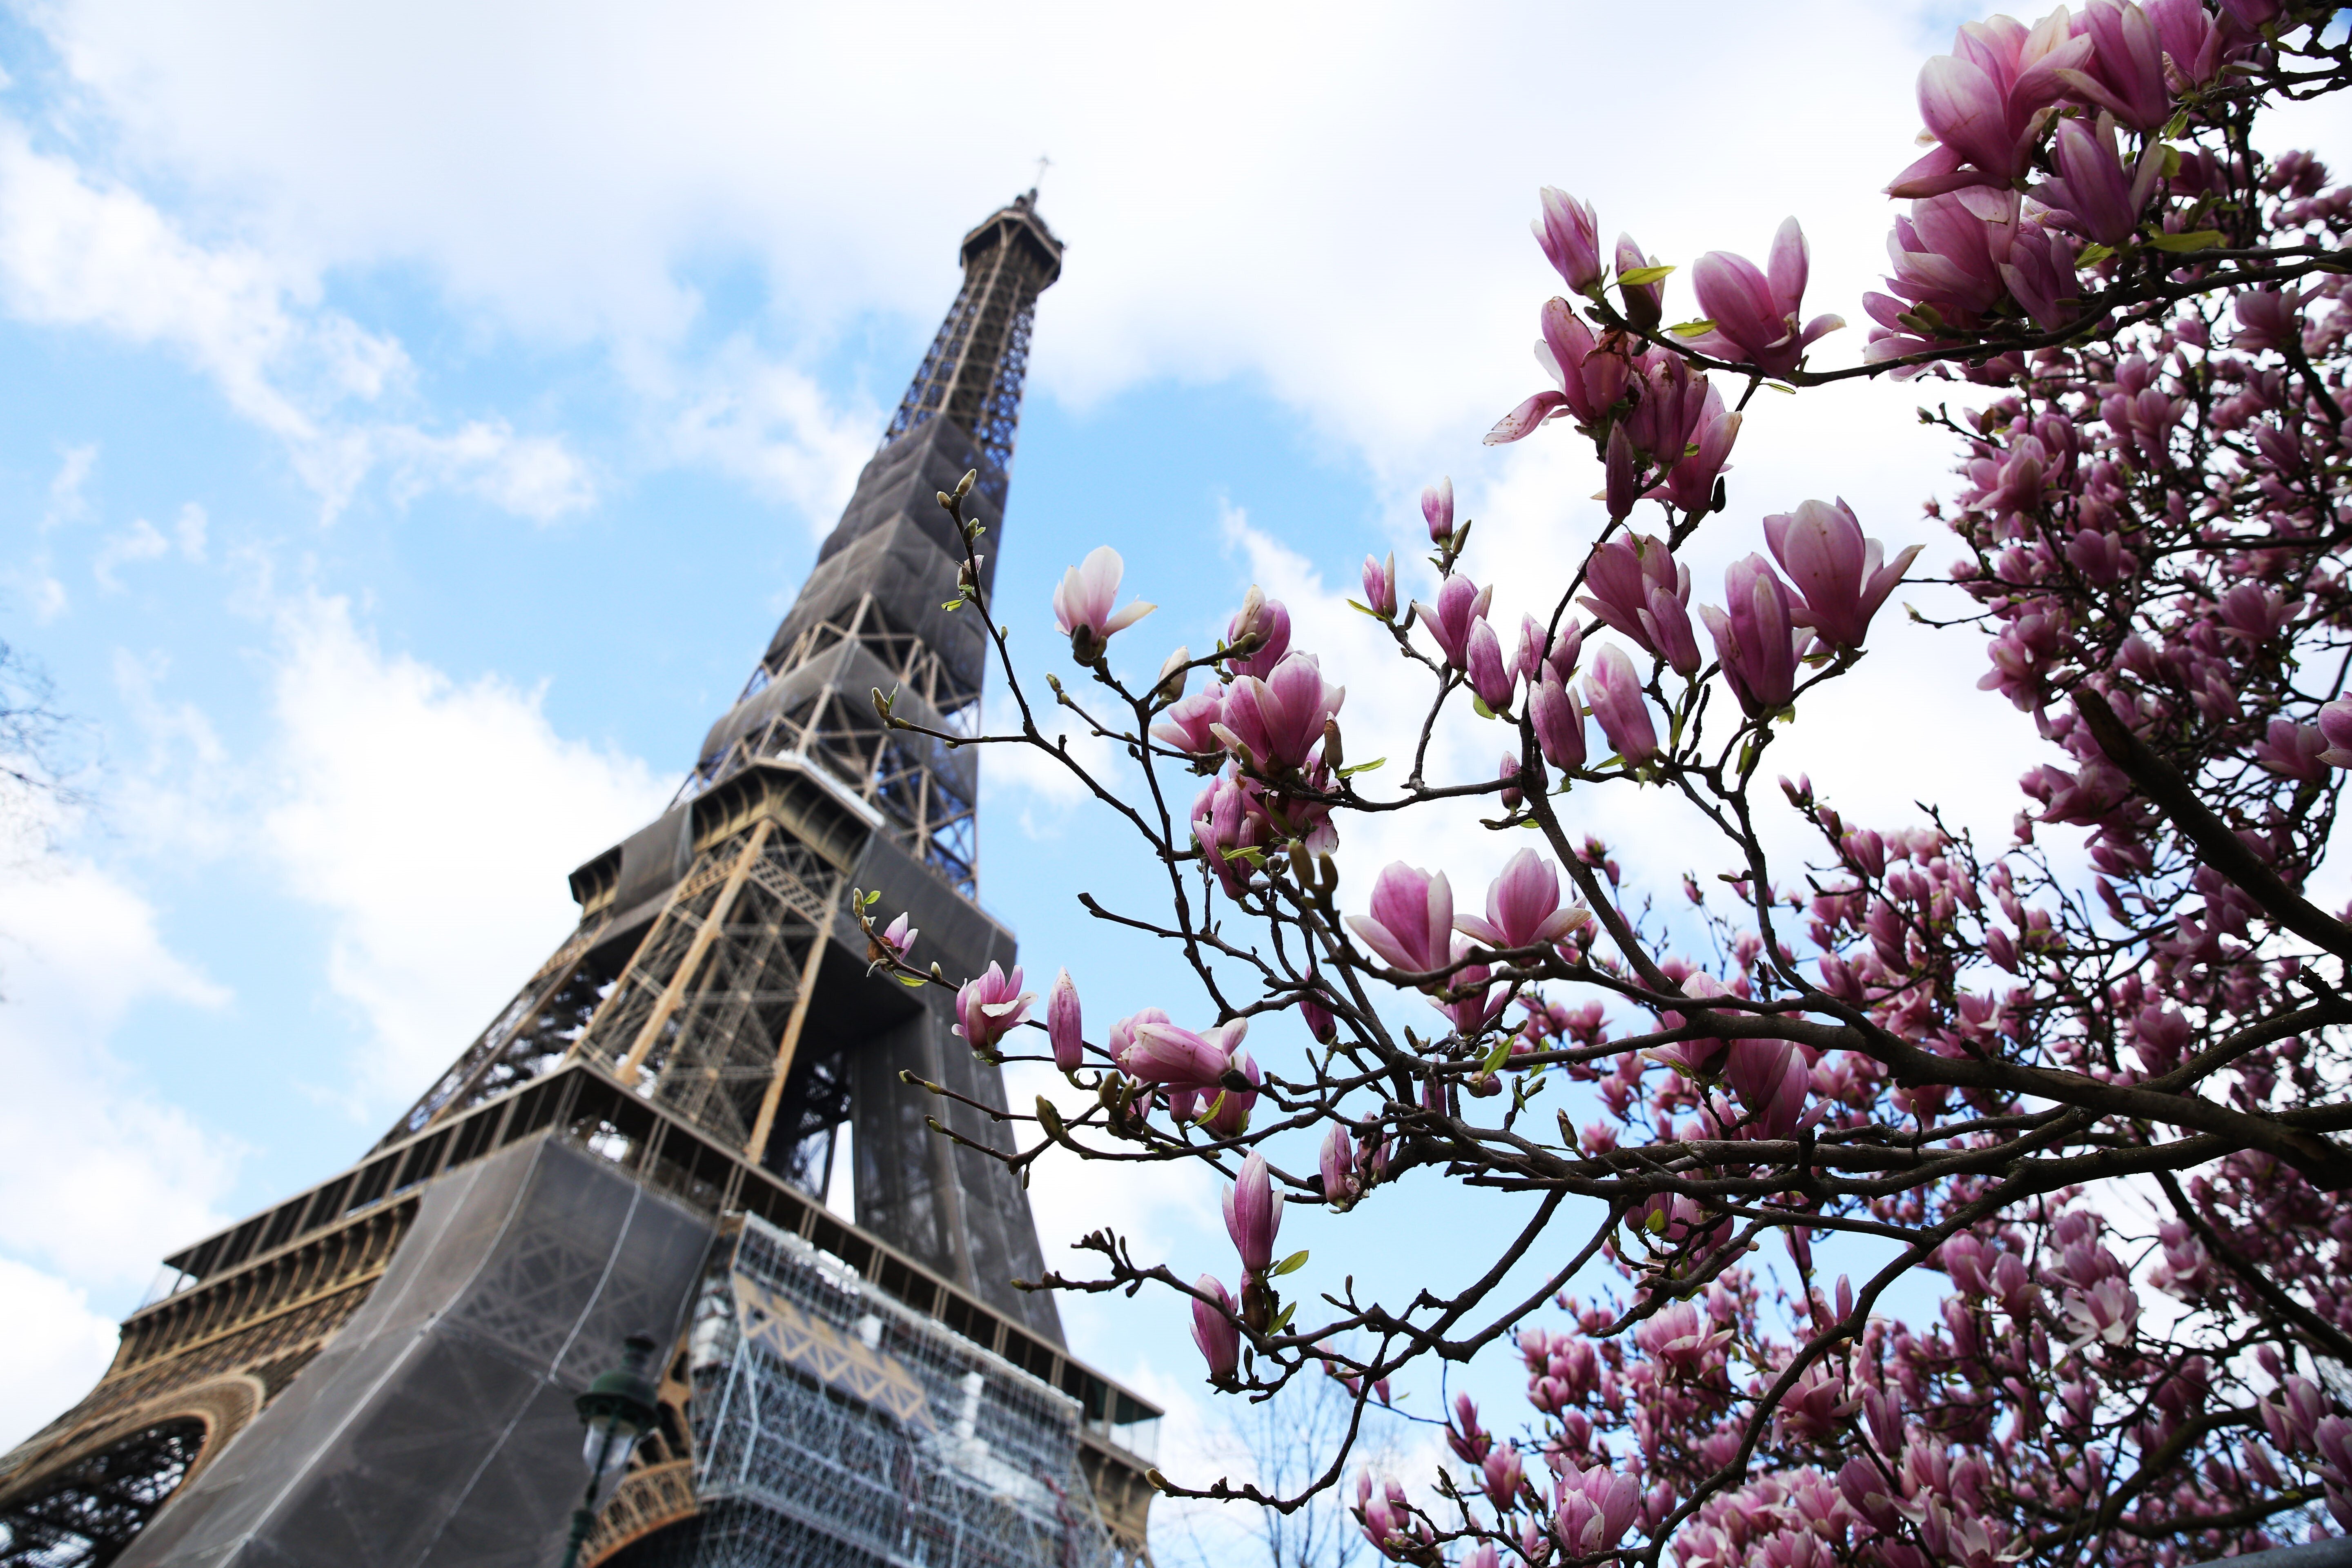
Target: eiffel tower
x: 379, y: 1370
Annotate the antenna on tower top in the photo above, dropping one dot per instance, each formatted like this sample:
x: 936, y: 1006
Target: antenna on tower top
x: 1044, y: 164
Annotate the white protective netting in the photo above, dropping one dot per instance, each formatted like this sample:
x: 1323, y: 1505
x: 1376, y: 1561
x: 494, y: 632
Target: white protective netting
x: 833, y: 1427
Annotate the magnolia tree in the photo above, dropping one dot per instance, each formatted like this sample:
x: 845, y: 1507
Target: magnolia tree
x: 1974, y: 1053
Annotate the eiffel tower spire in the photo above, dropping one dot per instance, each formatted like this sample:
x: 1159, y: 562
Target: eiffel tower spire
x: 648, y: 1132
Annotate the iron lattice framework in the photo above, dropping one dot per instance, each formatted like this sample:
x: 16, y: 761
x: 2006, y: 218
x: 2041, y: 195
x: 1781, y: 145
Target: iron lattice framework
x: 924, y: 792
x: 706, y: 1032
x: 979, y: 360
x: 90, y: 1509
x: 828, y: 1427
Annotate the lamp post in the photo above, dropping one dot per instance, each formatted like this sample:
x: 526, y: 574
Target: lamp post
x: 617, y: 1410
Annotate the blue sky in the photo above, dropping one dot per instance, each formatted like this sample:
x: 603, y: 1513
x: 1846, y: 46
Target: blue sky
x: 412, y: 428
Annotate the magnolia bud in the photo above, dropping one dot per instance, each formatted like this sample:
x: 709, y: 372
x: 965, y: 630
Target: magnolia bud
x: 1173, y: 676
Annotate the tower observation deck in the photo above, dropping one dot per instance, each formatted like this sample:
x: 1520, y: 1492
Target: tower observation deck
x: 380, y: 1370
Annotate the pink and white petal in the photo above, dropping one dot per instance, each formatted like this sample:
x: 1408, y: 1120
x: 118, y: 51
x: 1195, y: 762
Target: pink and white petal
x: 1521, y: 422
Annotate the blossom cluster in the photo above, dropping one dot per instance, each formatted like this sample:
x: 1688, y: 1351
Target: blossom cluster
x: 2091, y: 1079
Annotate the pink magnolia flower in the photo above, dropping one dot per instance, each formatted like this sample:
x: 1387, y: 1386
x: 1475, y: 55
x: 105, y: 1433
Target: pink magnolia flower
x: 1756, y: 311
x: 1338, y: 1162
x: 2040, y: 273
x: 2094, y: 196
x: 1645, y: 303
x: 1566, y: 648
x: 1082, y: 605
x: 1229, y: 1114
x: 1690, y: 482
x: 1558, y: 723
x: 2108, y: 1312
x: 1388, y: 1520
x: 1821, y: 549
x: 2297, y: 1414
x: 2268, y: 320
x: 1622, y: 473
x: 1410, y: 924
x: 1948, y: 252
x: 1437, y: 509
x: 1963, y: 1258
x: 1164, y: 1053
x: 1315, y: 1013
x: 1757, y: 639
x: 1063, y: 1025
x: 1122, y: 1034
x: 1215, y: 1330
x: 1510, y: 767
x: 2254, y: 611
x: 1818, y: 1406
x: 899, y: 937
x: 2101, y: 556
x: 2293, y: 750
x: 1227, y: 820
x: 1380, y: 586
x: 990, y: 1007
x: 1680, y: 1340
x: 1570, y: 237
x: 1589, y: 380
x: 1468, y: 1001
x: 1641, y: 590
x: 1956, y: 257
x: 1668, y: 404
x: 1772, y: 1077
x: 1523, y: 907
x: 1189, y: 724
x: 1277, y: 720
x: 1461, y: 604
x: 2124, y: 75
x: 1503, y: 1473
x: 1263, y: 626
x: 1613, y: 693
x: 1870, y: 1493
x: 1482, y: 656
x: 1254, y: 1215
x: 2192, y: 41
x: 1984, y: 102
x: 1593, y: 1508
x: 1528, y: 662
x: 1471, y: 1442
x: 2335, y: 728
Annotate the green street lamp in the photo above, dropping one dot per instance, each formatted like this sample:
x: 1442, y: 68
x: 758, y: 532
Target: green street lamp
x: 617, y: 1409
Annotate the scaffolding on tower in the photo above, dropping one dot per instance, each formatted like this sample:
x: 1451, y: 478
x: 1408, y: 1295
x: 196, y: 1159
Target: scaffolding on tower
x: 835, y: 1428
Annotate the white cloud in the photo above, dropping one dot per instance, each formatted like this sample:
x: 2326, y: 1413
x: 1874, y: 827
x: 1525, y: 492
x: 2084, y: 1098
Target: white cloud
x: 48, y: 598
x: 430, y: 820
x: 102, y: 1176
x: 67, y: 503
x: 1331, y: 198
x: 1330, y: 204
x: 143, y: 540
x: 537, y: 477
x: 189, y: 530
x: 80, y: 251
x: 62, y: 1346
x: 769, y: 424
x: 74, y: 252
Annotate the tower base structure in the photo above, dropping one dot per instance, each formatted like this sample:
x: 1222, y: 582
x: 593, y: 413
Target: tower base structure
x: 827, y: 1401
